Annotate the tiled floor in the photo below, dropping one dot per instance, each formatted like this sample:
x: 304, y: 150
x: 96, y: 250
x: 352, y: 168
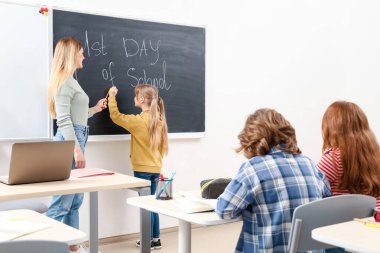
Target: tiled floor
x: 220, y: 239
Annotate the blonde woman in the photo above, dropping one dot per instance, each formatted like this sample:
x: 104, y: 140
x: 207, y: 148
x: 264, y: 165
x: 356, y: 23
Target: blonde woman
x: 149, y: 140
x: 68, y: 103
x: 271, y: 184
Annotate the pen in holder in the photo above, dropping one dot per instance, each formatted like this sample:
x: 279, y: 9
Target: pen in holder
x: 164, y: 189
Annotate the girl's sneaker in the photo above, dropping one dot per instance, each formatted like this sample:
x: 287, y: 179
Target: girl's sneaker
x: 153, y: 244
x: 156, y: 245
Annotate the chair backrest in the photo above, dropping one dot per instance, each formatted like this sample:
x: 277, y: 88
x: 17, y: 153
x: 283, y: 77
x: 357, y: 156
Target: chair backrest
x: 326, y: 212
x: 34, y: 247
x: 31, y: 204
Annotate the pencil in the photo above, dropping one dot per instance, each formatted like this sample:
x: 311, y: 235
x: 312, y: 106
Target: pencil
x: 368, y: 223
x: 373, y: 225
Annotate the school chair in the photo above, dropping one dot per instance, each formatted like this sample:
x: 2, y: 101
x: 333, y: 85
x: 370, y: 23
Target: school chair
x: 325, y: 212
x: 34, y: 247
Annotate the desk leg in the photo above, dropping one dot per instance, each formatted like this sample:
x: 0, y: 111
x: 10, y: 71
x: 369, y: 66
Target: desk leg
x: 94, y: 222
x: 144, y: 230
x: 184, y: 237
x: 144, y: 224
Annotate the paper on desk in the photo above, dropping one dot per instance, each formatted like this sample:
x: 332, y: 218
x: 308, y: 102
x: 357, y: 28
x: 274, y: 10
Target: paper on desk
x: 190, y: 202
x: 90, y: 172
x: 13, y: 226
x: 7, y: 236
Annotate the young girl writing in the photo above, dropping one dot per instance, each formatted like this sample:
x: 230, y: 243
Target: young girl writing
x: 149, y: 140
x: 351, y: 155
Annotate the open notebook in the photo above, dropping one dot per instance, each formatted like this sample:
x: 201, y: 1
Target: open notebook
x: 192, y: 202
x: 13, y: 226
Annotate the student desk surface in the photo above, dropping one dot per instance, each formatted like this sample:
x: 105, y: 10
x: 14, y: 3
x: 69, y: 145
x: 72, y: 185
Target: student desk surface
x: 56, y: 231
x: 169, y: 208
x: 79, y: 185
x: 352, y: 235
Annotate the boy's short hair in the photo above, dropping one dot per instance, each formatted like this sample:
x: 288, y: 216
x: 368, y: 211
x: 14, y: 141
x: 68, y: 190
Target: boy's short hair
x: 264, y: 129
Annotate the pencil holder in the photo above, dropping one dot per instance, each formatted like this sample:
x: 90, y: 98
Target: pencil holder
x: 164, y: 189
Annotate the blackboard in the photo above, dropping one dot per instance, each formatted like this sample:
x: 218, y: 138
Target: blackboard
x: 125, y: 52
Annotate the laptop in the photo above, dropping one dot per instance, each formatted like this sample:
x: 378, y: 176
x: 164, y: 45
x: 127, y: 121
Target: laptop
x: 34, y: 162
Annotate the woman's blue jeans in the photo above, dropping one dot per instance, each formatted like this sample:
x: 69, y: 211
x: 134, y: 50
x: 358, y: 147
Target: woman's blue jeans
x: 155, y: 222
x: 65, y: 208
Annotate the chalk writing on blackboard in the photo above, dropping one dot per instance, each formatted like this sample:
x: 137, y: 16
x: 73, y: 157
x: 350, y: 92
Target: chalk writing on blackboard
x: 131, y: 48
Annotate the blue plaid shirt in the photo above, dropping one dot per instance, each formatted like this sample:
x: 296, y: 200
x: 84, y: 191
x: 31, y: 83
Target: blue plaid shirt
x: 265, y: 192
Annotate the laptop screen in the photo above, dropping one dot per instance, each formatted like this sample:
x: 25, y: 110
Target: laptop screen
x: 33, y: 162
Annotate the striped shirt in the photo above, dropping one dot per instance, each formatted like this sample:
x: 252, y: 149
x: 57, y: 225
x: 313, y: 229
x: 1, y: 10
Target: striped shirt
x: 265, y: 191
x: 334, y: 173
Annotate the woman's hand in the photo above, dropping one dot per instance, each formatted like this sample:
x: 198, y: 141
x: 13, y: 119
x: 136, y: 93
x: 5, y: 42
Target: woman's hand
x: 80, y: 161
x: 101, y: 105
x: 113, y: 91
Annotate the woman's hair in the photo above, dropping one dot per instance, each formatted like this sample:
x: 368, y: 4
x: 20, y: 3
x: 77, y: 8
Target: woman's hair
x: 345, y: 127
x: 63, y: 66
x: 264, y: 129
x: 157, y: 110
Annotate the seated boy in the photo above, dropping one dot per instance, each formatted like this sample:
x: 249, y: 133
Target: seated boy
x: 271, y: 184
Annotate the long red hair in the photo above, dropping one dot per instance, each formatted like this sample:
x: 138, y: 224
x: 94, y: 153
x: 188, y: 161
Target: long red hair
x: 345, y: 127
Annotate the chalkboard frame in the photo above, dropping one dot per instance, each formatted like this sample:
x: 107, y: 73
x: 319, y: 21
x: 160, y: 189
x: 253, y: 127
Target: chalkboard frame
x: 123, y: 137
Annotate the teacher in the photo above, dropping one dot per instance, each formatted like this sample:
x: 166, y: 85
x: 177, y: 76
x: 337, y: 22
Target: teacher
x: 69, y: 104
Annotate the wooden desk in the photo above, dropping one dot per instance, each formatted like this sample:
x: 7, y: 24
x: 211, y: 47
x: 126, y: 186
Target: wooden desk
x: 80, y: 185
x: 352, y: 235
x: 168, y: 208
x: 57, y: 230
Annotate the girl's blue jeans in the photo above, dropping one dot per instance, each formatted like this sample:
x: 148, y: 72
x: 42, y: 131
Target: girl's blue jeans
x: 65, y: 208
x: 155, y: 222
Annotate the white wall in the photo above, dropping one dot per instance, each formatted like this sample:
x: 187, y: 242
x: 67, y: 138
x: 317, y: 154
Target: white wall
x: 294, y: 56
